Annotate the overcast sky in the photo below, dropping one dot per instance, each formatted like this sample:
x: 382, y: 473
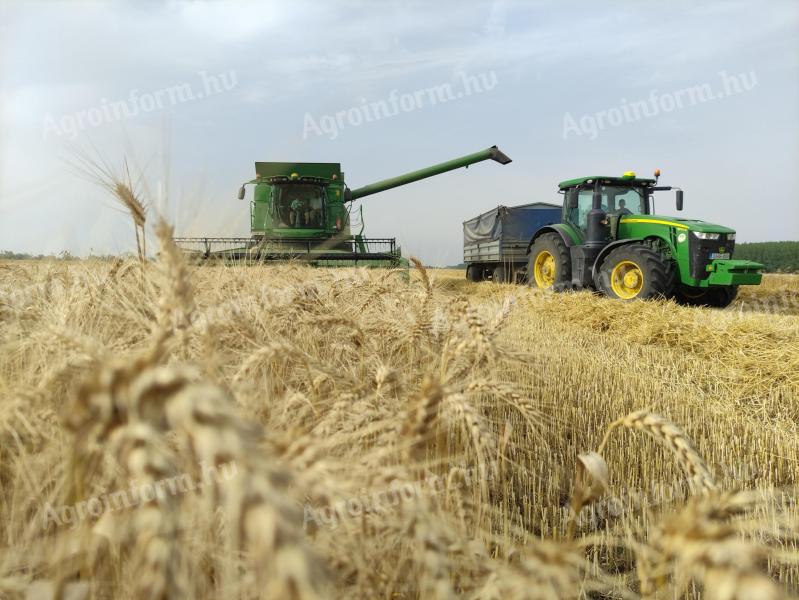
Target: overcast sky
x: 707, y: 92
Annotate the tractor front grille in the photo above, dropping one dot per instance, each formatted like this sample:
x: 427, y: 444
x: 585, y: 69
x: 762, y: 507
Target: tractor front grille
x: 701, y: 251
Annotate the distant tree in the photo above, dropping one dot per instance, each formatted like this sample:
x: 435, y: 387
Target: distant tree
x: 11, y: 255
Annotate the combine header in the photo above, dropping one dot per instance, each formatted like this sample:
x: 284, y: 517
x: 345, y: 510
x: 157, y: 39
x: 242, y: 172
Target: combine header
x: 302, y: 211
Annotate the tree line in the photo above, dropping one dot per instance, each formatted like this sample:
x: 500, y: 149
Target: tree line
x: 779, y: 257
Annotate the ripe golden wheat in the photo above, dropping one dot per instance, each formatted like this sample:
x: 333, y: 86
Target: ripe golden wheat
x: 353, y: 433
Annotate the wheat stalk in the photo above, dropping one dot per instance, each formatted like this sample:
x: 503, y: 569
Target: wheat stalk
x: 673, y: 438
x: 421, y: 417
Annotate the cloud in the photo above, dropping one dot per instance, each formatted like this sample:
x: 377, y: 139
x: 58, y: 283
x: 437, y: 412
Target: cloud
x: 228, y: 20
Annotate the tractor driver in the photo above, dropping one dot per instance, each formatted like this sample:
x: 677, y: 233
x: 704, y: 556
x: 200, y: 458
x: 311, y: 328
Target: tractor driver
x: 621, y: 210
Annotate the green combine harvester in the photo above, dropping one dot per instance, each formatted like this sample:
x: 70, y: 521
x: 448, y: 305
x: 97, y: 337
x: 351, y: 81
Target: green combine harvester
x: 302, y: 211
x: 611, y: 239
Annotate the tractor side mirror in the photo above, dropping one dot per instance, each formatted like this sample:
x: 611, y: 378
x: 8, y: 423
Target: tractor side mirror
x: 571, y: 198
x: 242, y: 192
x: 679, y: 199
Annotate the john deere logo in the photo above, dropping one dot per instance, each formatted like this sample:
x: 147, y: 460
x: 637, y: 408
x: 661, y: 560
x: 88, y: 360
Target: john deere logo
x: 722, y: 249
x: 681, y: 237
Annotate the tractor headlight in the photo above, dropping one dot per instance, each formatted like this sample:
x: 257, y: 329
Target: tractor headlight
x: 707, y: 236
x: 731, y: 237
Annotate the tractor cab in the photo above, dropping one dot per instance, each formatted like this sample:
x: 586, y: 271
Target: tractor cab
x: 618, y: 196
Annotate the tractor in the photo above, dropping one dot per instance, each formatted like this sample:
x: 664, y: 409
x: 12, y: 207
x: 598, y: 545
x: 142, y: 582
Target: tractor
x: 611, y: 240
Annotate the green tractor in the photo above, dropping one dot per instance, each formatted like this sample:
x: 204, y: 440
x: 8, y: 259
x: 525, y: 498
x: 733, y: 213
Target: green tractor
x: 302, y: 211
x: 610, y: 239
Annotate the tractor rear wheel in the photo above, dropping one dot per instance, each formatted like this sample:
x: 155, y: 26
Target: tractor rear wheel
x: 714, y: 297
x: 550, y: 263
x: 636, y: 271
x: 474, y: 273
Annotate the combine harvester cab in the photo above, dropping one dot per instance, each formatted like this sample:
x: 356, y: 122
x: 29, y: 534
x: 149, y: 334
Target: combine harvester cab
x: 302, y: 211
x: 611, y: 240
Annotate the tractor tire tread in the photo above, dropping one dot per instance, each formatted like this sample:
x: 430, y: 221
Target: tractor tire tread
x: 560, y: 252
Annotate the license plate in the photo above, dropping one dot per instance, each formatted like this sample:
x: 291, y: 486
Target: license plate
x: 719, y: 255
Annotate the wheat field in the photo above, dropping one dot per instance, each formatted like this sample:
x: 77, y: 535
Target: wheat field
x: 170, y: 430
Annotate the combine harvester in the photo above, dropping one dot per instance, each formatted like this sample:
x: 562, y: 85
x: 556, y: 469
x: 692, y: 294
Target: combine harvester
x: 610, y: 239
x: 302, y: 211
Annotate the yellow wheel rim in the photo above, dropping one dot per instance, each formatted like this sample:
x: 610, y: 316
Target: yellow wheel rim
x: 627, y: 279
x: 544, y: 269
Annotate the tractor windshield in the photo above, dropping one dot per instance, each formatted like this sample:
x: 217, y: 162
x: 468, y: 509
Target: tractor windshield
x: 298, y: 206
x: 616, y: 200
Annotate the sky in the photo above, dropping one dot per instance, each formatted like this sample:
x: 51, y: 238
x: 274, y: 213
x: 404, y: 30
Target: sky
x: 191, y: 94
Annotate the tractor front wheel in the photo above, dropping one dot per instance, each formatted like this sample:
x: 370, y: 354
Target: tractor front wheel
x: 713, y: 297
x: 635, y: 271
x: 550, y: 263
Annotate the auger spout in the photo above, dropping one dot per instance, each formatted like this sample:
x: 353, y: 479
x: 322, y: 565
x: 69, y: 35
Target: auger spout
x: 492, y: 153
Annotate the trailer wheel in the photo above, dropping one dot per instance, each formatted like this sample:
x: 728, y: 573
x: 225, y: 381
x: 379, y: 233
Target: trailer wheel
x: 500, y: 274
x: 474, y: 273
x: 713, y: 297
x: 635, y: 271
x: 550, y: 263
